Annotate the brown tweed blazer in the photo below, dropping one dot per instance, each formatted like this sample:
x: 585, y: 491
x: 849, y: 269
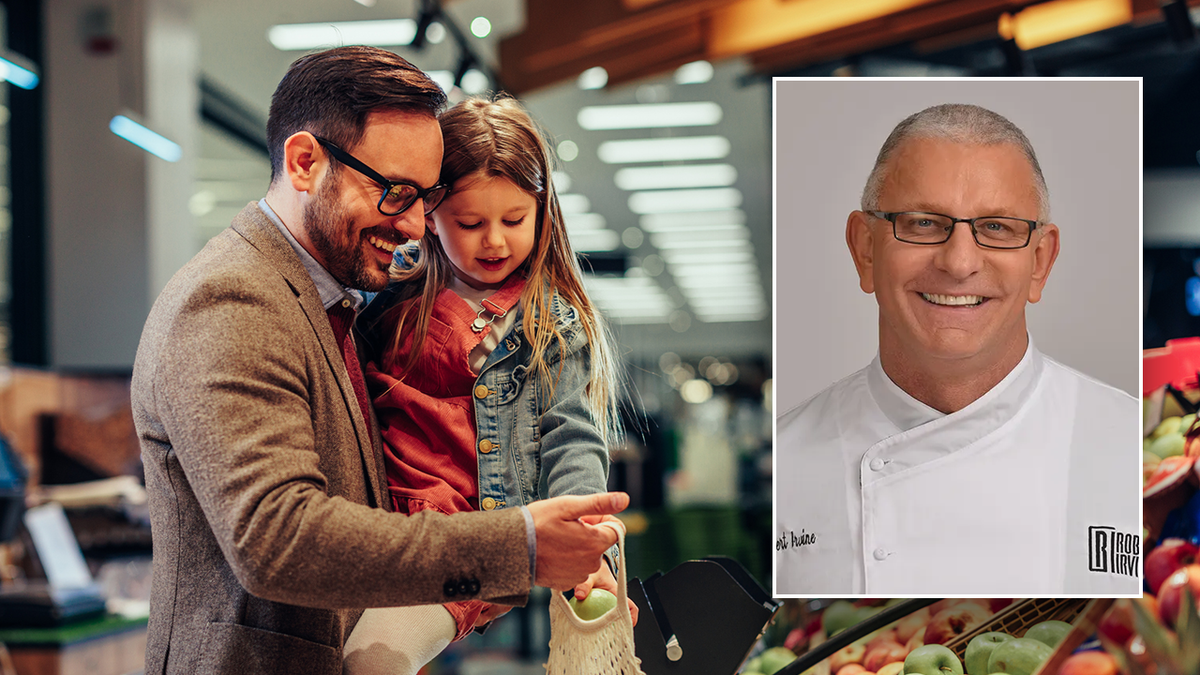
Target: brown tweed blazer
x: 263, y: 480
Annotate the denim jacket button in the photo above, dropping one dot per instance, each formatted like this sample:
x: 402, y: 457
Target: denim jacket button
x: 487, y: 504
x: 485, y: 446
x: 481, y: 391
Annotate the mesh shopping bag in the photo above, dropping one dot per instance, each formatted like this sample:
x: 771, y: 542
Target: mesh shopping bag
x: 602, y: 646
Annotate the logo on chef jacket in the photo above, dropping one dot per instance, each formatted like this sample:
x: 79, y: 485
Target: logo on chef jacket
x: 1113, y: 552
x: 792, y: 539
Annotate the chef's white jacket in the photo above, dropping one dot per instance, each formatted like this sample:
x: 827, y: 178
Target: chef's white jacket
x: 1032, y: 489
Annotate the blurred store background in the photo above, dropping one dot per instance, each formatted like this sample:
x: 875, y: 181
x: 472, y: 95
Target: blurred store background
x: 660, y: 111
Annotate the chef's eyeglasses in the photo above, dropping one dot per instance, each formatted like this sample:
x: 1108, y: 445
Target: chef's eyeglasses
x: 397, y: 197
x: 919, y: 227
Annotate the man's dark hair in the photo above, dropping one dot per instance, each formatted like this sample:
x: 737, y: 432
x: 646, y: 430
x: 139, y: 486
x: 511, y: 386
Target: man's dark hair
x: 331, y: 93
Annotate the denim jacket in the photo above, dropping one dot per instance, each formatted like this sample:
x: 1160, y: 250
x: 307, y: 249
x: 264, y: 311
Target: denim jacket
x: 541, y: 444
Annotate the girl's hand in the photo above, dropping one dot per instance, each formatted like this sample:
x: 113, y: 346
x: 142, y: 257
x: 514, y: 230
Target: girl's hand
x: 603, y: 578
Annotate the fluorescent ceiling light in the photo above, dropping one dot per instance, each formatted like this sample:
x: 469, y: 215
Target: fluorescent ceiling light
x: 562, y: 180
x: 578, y: 222
x: 696, y: 72
x: 696, y: 282
x: 444, y: 78
x: 649, y: 115
x: 23, y: 75
x: 707, y: 271
x: 663, y: 149
x: 756, y: 315
x: 594, y: 240
x: 150, y: 141
x: 667, y: 222
x: 574, y: 203
x: 710, y: 234
x: 683, y: 176
x: 742, y: 294
x: 702, y: 244
x: 705, y: 257
x: 678, y: 201
x: 294, y: 36
x: 592, y: 78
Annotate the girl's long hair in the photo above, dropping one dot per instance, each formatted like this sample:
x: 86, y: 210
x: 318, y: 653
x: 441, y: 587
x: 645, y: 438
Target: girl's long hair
x: 497, y: 138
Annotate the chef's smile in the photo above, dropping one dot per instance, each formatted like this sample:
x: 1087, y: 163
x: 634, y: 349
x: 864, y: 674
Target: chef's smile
x: 945, y: 300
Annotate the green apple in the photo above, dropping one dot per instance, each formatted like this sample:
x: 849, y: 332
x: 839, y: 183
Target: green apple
x: 1049, y: 632
x: 594, y: 605
x: 774, y: 659
x: 1185, y: 422
x: 1168, y: 445
x: 979, y: 650
x: 1018, y: 656
x: 932, y: 660
x: 1169, y: 425
x: 839, y: 615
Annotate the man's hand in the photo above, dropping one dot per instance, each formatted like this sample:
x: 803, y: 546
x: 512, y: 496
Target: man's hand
x: 569, y: 549
x: 603, y: 578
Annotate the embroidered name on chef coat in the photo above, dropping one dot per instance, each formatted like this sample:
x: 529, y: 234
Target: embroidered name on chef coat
x: 792, y: 539
x: 1113, y: 552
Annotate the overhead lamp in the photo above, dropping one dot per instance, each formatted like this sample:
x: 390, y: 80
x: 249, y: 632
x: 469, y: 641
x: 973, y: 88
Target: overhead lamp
x: 18, y: 70
x: 649, y: 115
x: 574, y: 203
x: 592, y: 78
x: 679, y: 201
x: 696, y: 72
x: 1058, y: 20
x: 707, y: 257
x: 681, y: 176
x: 671, y: 222
x: 481, y: 27
x: 663, y: 149
x: 594, y: 240
x: 583, y: 221
x: 381, y: 33
x: 701, y: 243
x: 145, y: 138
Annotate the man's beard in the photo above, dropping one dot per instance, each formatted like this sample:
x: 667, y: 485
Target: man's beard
x: 329, y: 227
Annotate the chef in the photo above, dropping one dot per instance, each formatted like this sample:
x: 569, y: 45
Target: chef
x: 961, y: 460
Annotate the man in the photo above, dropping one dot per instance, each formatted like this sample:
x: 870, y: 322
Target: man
x: 961, y: 460
x: 261, y: 455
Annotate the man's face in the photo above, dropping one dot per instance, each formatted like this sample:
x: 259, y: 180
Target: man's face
x: 954, y: 300
x: 349, y: 236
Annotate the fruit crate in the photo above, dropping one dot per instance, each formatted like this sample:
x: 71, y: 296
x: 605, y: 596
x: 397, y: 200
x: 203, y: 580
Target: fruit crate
x: 1019, y: 616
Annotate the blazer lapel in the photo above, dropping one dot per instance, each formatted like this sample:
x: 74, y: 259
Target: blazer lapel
x: 263, y: 235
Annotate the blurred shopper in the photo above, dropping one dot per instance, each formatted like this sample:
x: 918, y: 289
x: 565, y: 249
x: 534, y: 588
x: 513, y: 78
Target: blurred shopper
x: 481, y: 405
x: 961, y: 460
x: 263, y: 462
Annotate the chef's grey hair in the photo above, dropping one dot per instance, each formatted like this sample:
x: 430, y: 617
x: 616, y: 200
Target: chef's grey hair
x: 961, y: 123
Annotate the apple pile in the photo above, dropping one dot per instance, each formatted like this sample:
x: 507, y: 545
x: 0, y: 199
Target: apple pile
x: 1168, y: 454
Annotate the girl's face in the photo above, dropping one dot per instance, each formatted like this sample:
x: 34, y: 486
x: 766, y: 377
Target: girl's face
x: 487, y: 226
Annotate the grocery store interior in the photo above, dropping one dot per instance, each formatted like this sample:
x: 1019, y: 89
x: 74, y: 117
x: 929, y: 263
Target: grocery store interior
x: 133, y: 131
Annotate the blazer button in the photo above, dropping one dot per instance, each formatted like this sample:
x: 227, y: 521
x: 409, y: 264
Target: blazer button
x: 487, y: 504
x: 486, y: 446
x: 473, y: 586
x: 450, y: 588
x: 464, y: 587
x: 481, y: 391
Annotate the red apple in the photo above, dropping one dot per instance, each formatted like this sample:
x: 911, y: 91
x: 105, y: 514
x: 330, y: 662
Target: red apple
x: 851, y: 653
x: 950, y: 623
x: 1089, y: 663
x: 909, y: 625
x: 796, y: 639
x: 881, y: 637
x: 1117, y: 624
x: 942, y: 605
x: 997, y: 604
x: 883, y: 654
x: 1166, y: 558
x: 1170, y: 594
x: 917, y: 640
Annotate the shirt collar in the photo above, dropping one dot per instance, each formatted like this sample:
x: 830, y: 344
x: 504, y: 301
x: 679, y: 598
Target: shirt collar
x: 999, y: 404
x: 328, y: 288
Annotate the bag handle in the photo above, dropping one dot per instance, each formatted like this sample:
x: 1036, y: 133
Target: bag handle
x: 621, y: 611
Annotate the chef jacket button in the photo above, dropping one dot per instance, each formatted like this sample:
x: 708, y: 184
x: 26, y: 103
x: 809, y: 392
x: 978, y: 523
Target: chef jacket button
x: 488, y: 504
x: 450, y: 588
x: 876, y: 464
x: 486, y: 446
x: 880, y: 554
x: 481, y: 391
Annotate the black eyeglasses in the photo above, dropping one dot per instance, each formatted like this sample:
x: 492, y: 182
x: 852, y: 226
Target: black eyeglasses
x: 397, y: 197
x: 918, y: 227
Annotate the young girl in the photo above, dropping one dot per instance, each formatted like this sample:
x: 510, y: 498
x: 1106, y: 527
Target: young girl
x: 493, y: 378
